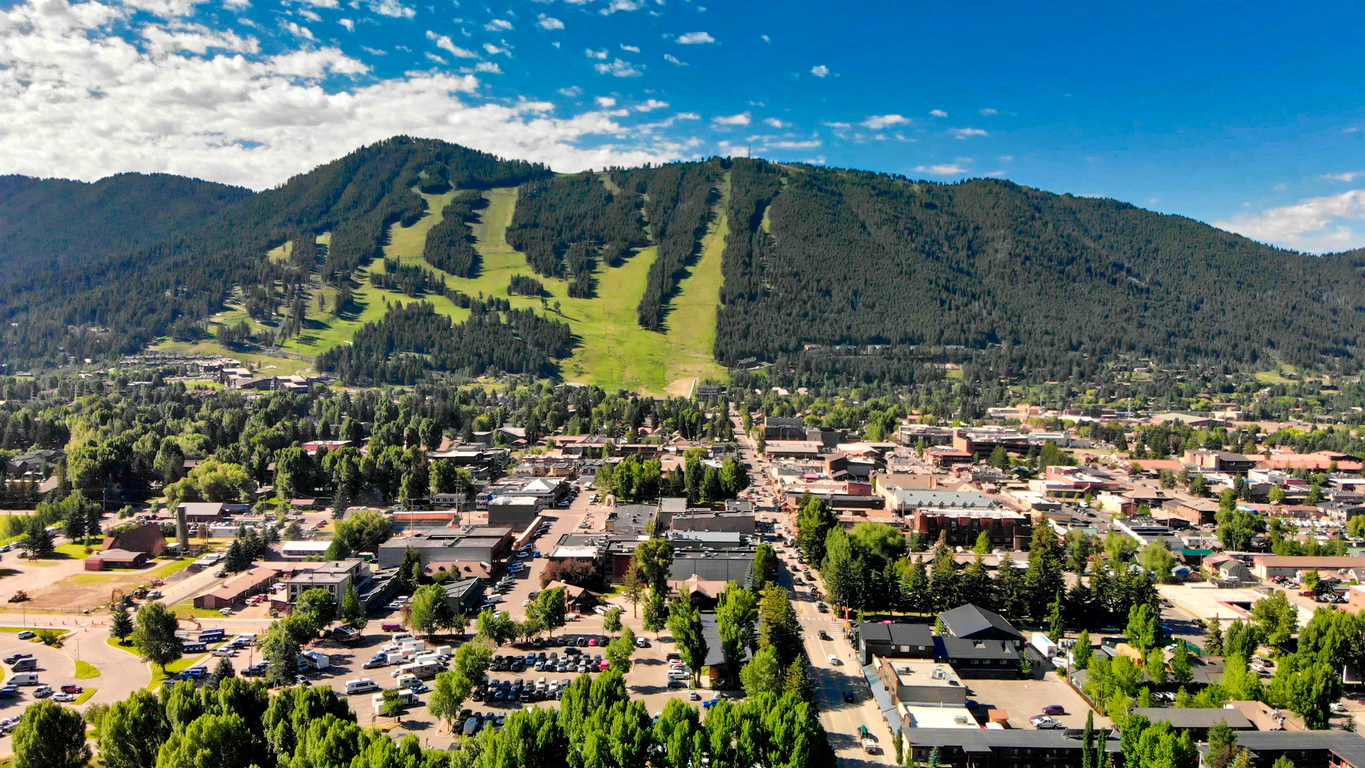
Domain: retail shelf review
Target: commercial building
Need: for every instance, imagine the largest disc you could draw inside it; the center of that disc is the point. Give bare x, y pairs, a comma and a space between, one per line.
336, 577
1197, 721
1307, 749
474, 543
894, 641
1276, 566
1013, 748
972, 622
918, 682
515, 511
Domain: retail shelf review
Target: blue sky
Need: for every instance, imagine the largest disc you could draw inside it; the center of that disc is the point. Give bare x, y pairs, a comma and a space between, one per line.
1248, 116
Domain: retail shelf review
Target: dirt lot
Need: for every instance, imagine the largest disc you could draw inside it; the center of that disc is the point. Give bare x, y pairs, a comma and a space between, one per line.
1023, 699
92, 589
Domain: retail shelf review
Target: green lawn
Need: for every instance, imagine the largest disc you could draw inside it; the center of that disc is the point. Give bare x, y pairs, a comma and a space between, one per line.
74, 551
85, 696
162, 571
86, 670
175, 668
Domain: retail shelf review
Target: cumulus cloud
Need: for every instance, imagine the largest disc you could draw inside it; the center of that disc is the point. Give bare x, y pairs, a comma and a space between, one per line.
820, 70
619, 5
83, 102
494, 50
446, 44
766, 39
619, 68
347, 23
1346, 177
392, 8
966, 133
1315, 224
602, 54
549, 22
631, 48
490, 67
740, 119
878, 122
806, 144
695, 38
671, 59
937, 113
572, 91
498, 25
605, 102
650, 105
942, 169
774, 122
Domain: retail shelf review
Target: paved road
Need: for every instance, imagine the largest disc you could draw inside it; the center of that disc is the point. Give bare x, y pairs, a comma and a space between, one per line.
841, 720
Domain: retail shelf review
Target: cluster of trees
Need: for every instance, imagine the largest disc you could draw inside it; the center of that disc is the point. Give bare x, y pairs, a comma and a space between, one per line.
868, 568
414, 339
635, 479
525, 286
566, 224
449, 245
411, 280
249, 546
678, 201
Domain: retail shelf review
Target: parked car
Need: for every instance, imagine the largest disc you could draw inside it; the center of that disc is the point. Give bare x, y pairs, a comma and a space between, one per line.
13, 657
27, 635
834, 660
64, 697
72, 689
42, 692
1054, 709
850, 697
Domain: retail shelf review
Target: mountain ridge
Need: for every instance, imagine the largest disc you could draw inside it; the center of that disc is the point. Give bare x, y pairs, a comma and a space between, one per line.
814, 258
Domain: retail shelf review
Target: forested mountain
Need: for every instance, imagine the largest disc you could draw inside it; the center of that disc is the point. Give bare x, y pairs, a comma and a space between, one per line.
56, 222
831, 271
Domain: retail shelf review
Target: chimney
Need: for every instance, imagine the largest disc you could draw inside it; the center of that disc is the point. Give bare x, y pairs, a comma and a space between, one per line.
182, 531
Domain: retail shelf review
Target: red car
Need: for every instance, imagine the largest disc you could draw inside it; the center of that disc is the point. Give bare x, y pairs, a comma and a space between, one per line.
72, 689
1054, 709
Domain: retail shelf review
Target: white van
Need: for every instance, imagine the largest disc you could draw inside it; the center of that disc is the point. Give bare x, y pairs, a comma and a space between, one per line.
419, 671
23, 678
363, 685
407, 698
401, 636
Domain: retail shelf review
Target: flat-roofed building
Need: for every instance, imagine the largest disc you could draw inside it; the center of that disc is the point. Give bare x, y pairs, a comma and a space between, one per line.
1276, 566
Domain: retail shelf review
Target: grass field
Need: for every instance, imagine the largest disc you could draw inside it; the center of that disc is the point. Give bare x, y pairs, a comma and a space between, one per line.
613, 351
86, 670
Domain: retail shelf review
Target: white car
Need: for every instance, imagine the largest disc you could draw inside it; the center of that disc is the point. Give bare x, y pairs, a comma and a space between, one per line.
64, 697
834, 660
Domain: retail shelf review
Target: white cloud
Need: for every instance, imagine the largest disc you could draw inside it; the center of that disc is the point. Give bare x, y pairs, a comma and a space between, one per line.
966, 133
310, 15
878, 122
774, 122
650, 105
1346, 177
1006, 158
671, 59
446, 44
81, 101
434, 58
605, 102
740, 119
766, 39
392, 8
807, 144
937, 113
619, 68
987, 112
687, 116
549, 22
298, 31
1314, 224
490, 67
602, 54
1001, 175
498, 25
631, 48
820, 70
695, 38
347, 23
572, 91
620, 5
942, 169
494, 50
